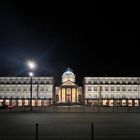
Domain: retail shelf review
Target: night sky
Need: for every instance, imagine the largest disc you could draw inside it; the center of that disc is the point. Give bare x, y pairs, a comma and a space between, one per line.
92, 39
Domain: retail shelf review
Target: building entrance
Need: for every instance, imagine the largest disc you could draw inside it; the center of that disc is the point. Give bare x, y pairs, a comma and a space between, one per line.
68, 98
68, 92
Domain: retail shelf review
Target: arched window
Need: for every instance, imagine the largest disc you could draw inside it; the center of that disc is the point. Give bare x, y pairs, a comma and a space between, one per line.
136, 97
133, 96
95, 96
106, 96
123, 96
89, 96
130, 96
112, 96
118, 96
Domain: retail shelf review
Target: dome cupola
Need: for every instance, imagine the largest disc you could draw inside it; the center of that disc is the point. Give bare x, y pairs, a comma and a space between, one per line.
68, 75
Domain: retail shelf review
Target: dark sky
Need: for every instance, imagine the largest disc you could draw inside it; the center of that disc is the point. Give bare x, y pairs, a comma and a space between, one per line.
92, 39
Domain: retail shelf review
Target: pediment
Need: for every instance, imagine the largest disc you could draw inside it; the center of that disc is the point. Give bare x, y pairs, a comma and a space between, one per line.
68, 83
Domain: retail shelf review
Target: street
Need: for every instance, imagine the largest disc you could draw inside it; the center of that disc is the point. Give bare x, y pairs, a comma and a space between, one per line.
59, 126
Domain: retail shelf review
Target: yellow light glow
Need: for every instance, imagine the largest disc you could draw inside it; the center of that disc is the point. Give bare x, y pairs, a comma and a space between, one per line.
63, 94
73, 95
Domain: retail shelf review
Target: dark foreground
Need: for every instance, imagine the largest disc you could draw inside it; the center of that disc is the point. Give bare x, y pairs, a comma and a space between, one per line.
70, 126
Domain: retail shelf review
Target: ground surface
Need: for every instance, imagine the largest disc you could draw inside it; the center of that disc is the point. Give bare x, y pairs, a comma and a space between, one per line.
70, 126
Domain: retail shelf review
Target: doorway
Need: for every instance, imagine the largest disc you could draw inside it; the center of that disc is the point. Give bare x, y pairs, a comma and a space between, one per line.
68, 99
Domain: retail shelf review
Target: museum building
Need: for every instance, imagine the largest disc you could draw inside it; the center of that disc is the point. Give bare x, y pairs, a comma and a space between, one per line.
95, 91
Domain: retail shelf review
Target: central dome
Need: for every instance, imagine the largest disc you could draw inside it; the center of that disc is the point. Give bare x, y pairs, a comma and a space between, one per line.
68, 75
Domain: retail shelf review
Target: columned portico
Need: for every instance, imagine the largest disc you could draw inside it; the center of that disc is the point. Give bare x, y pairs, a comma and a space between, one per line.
68, 90
68, 94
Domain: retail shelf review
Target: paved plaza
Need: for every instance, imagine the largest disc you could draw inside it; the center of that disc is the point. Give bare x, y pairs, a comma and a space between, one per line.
70, 126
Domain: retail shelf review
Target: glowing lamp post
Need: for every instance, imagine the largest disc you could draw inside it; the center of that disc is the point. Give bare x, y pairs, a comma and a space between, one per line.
31, 66
31, 75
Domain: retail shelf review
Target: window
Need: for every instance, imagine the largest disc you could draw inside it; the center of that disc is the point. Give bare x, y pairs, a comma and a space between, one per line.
19, 88
118, 96
95, 96
57, 98
135, 88
123, 96
42, 88
89, 96
8, 89
89, 81
106, 96
117, 82
129, 89
1, 89
106, 88
95, 82
130, 96
89, 88
106, 82
135, 82
112, 88
118, 88
123, 89
13, 89
42, 81
112, 82
95, 88
25, 89
123, 82
112, 96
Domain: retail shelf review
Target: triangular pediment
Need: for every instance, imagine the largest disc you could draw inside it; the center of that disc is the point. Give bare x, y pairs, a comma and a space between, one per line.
68, 83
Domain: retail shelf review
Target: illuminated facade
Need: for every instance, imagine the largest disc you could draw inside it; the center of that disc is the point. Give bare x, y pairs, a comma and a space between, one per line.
112, 91
16, 91
96, 91
68, 92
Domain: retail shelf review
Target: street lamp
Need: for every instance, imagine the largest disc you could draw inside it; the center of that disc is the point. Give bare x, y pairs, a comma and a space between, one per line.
31, 75
31, 65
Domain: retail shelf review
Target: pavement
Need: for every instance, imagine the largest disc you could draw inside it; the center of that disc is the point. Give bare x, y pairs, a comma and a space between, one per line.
70, 126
